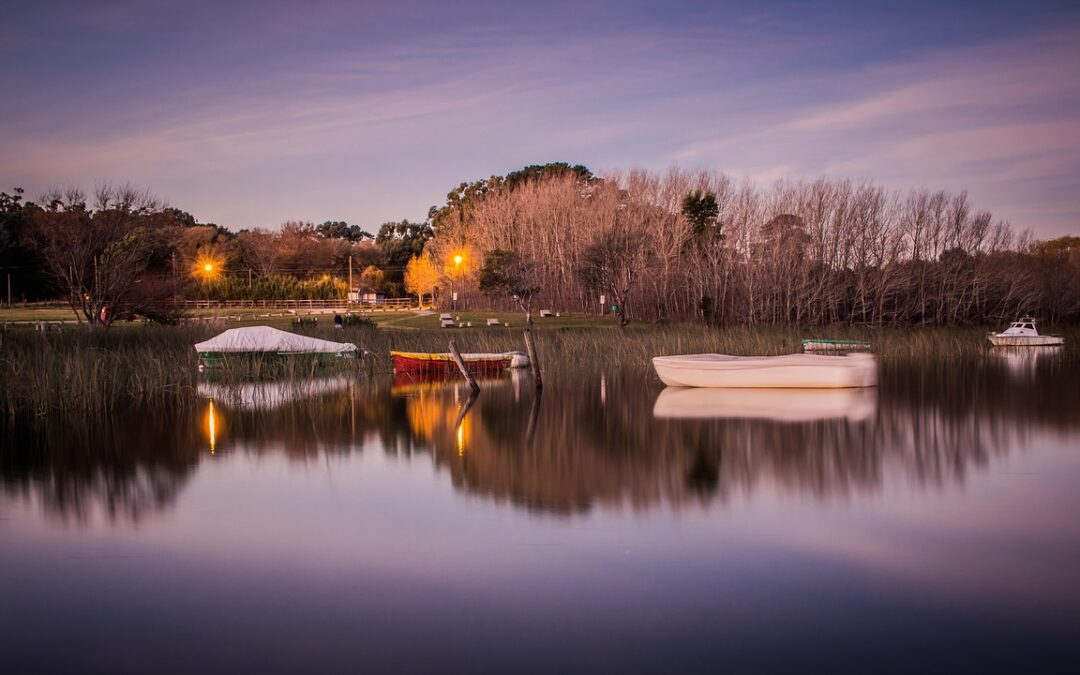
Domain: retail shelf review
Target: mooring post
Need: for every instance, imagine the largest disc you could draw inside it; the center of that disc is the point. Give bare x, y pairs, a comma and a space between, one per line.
534, 362
461, 366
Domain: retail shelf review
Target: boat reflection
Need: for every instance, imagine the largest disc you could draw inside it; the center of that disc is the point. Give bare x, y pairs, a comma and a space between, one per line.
1026, 359
780, 405
270, 394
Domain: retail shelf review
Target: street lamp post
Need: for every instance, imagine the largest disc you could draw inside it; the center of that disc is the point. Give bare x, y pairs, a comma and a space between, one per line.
208, 271
457, 268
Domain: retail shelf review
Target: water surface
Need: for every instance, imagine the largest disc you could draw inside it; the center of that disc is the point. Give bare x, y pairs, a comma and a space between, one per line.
355, 523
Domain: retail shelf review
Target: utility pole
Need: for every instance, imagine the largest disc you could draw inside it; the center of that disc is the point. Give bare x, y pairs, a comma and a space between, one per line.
348, 296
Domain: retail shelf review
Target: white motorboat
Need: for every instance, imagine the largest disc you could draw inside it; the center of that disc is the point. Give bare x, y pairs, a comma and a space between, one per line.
793, 371
778, 405
1023, 333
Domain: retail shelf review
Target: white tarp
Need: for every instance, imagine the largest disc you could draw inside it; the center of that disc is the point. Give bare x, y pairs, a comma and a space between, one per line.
267, 339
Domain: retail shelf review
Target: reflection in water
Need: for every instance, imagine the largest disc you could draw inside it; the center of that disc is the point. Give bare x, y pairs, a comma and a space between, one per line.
211, 425
608, 440
1025, 361
271, 394
118, 468
779, 405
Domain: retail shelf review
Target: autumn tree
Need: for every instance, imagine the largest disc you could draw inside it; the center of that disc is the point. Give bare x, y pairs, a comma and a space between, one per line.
506, 272
373, 277
421, 277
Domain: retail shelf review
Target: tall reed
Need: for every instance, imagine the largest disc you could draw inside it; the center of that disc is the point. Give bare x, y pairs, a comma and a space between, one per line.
81, 370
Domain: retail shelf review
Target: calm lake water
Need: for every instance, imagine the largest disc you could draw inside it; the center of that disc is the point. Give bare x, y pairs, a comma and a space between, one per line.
366, 525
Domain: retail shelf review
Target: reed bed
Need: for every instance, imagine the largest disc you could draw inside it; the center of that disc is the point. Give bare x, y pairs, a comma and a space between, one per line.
78, 370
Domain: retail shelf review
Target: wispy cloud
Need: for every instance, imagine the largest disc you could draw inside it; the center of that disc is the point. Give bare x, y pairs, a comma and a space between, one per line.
374, 114
974, 117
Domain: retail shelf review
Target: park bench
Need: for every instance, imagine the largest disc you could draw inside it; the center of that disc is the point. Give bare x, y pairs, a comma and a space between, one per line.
546, 313
493, 322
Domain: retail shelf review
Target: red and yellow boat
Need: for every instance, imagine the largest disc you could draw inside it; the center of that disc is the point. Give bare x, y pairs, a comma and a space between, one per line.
424, 362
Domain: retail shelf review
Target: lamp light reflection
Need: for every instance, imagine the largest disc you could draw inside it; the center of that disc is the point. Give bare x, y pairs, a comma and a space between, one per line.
211, 425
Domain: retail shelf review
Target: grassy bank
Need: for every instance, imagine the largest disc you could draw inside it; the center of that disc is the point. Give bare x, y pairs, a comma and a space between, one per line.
76, 369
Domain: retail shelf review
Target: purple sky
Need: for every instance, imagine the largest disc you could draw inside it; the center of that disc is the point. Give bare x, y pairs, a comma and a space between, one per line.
252, 113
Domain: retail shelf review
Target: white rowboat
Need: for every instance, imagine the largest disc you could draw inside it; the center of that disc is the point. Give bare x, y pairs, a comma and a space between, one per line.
793, 371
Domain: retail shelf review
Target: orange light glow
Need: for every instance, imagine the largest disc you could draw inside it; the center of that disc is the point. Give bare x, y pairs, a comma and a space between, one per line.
207, 265
212, 427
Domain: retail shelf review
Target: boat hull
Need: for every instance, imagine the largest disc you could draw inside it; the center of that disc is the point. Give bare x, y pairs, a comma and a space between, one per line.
428, 363
813, 345
1025, 340
794, 371
215, 360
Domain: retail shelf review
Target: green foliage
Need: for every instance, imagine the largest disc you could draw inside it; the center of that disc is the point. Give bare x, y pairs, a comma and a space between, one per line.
507, 272
275, 287
702, 212
544, 171
357, 320
401, 242
460, 201
339, 229
17, 259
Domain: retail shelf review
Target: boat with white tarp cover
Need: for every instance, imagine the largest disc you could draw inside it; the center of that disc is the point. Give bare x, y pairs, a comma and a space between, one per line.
792, 371
266, 340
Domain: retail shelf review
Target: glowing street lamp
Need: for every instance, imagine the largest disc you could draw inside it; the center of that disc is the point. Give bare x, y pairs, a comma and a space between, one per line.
207, 267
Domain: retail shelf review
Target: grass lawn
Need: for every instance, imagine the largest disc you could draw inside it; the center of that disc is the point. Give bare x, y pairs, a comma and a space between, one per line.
478, 319
17, 313
410, 319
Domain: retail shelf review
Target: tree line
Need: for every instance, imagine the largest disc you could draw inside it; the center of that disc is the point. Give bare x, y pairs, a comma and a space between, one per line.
656, 246
121, 252
699, 246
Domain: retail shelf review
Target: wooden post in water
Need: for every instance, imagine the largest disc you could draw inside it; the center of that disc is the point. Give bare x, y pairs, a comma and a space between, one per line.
461, 366
534, 362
